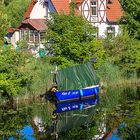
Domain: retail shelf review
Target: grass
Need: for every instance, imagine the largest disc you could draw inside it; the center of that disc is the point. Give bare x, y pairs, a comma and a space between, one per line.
111, 75
42, 78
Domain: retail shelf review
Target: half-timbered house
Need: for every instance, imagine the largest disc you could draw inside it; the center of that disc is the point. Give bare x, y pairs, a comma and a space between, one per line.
102, 14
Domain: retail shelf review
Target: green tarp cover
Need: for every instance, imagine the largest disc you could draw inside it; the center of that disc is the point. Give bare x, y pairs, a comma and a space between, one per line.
76, 77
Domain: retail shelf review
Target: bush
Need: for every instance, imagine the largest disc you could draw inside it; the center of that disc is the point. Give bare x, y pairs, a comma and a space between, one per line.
109, 73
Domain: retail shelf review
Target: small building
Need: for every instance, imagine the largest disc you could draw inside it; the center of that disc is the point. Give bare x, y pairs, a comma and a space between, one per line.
103, 14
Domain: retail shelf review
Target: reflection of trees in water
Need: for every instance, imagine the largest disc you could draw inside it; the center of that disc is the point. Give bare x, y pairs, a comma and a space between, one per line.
130, 128
115, 106
11, 121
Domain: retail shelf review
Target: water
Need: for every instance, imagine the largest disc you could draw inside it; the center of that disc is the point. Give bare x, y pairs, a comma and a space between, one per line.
115, 114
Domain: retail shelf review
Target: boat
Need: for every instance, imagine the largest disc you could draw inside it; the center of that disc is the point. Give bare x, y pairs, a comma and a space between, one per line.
74, 83
79, 94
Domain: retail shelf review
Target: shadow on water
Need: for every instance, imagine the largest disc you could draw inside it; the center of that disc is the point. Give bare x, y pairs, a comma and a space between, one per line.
115, 115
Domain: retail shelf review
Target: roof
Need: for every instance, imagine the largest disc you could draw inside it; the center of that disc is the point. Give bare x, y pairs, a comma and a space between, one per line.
10, 30
30, 8
38, 24
61, 5
78, 1
114, 11
64, 5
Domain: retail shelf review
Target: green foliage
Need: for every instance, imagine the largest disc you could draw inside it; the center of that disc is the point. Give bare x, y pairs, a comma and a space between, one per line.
6, 2
23, 45
13, 76
16, 10
131, 121
109, 73
4, 23
132, 16
123, 51
42, 77
73, 40
11, 122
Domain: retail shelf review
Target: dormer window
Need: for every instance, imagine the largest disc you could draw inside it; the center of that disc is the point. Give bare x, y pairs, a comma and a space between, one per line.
94, 7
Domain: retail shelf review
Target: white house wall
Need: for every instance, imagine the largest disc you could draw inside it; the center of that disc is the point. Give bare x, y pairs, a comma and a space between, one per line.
102, 29
39, 11
100, 20
14, 38
85, 11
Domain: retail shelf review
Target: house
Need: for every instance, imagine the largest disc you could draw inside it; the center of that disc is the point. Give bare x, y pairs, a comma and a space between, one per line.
103, 14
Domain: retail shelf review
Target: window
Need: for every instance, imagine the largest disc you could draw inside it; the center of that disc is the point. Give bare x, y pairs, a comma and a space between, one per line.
36, 36
110, 32
93, 7
21, 34
43, 36
45, 5
31, 36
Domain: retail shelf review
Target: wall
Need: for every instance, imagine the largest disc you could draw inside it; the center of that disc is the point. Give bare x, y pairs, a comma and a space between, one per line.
100, 20
39, 11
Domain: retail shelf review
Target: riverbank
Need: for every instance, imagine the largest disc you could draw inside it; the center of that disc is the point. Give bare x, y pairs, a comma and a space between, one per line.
27, 98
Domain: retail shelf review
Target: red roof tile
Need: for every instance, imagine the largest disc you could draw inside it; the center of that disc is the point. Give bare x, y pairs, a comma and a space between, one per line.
38, 24
30, 8
78, 1
114, 11
61, 6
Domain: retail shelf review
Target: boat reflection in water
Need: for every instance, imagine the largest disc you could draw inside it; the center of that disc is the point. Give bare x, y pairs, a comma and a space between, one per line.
76, 105
68, 115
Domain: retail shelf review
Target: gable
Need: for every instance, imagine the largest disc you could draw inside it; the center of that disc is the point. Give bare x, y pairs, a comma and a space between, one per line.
30, 8
39, 9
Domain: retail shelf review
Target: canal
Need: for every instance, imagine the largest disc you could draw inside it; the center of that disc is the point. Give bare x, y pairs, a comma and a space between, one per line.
114, 114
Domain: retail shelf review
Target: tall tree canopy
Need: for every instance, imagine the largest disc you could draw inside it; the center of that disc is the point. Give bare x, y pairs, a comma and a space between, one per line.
16, 10
13, 75
73, 40
4, 23
123, 51
6, 2
132, 16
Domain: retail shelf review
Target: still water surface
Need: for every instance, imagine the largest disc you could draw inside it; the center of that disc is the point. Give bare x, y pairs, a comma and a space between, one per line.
115, 114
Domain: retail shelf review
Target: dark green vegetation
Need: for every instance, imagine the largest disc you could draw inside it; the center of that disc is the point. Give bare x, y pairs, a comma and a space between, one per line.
73, 40
11, 14
13, 72
132, 17
21, 74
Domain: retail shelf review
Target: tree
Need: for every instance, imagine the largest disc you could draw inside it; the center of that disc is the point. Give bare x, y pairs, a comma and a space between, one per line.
6, 2
13, 76
123, 51
16, 10
73, 40
4, 23
132, 16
